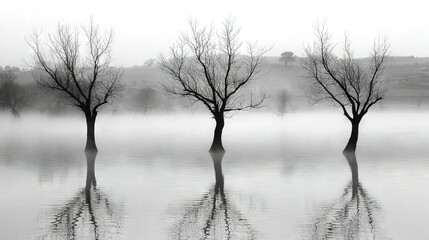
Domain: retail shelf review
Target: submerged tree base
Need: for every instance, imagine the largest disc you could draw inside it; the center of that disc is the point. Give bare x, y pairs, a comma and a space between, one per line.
217, 149
91, 148
350, 148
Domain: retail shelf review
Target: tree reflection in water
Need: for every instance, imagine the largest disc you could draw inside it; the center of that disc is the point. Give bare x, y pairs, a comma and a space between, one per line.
353, 215
213, 216
90, 214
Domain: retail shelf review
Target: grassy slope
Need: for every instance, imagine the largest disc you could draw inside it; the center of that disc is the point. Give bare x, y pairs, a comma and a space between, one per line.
406, 77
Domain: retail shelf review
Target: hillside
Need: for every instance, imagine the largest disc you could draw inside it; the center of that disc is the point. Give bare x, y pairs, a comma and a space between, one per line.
406, 76
407, 79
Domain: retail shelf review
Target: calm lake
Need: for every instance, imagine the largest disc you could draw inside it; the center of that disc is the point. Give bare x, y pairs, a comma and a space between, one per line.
280, 178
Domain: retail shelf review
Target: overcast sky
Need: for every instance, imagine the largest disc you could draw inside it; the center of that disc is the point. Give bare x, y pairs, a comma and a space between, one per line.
143, 29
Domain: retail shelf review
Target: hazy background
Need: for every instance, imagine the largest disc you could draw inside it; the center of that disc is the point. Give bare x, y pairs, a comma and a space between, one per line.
407, 80
145, 28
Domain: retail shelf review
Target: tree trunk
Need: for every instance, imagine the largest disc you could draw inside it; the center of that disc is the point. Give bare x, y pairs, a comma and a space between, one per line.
351, 145
90, 131
217, 139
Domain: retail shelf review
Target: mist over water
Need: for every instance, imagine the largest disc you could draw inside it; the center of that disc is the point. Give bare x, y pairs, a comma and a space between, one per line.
283, 177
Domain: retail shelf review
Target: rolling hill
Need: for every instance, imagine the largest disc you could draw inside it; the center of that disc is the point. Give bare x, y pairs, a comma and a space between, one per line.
407, 79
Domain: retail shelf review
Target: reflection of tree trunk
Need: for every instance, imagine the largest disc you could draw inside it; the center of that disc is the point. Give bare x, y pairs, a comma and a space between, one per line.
217, 139
91, 182
219, 190
217, 163
90, 174
351, 159
351, 144
213, 217
352, 216
89, 214
90, 134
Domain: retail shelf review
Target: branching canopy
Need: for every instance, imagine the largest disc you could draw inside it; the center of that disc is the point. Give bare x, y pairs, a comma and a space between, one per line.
355, 85
81, 74
207, 66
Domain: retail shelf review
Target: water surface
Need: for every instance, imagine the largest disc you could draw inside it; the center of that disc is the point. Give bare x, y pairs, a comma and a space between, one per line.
280, 178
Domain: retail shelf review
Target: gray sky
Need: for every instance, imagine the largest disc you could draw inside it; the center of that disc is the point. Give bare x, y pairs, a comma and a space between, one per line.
143, 29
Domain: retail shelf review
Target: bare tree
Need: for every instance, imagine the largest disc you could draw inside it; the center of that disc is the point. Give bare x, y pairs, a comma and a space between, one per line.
12, 95
81, 75
207, 66
352, 84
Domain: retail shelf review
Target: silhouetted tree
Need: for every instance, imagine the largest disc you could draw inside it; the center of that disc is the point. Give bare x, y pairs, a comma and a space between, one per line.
286, 57
11, 93
352, 84
207, 66
87, 82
